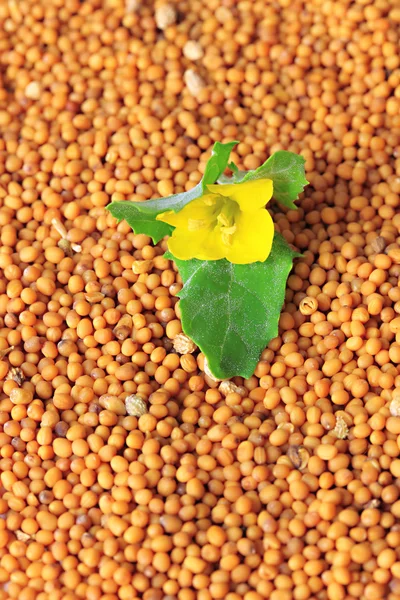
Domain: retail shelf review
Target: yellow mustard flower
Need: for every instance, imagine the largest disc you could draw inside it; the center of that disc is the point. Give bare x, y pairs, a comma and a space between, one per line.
230, 221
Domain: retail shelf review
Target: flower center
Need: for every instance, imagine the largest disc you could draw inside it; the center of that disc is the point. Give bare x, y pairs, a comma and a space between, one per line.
221, 212
226, 220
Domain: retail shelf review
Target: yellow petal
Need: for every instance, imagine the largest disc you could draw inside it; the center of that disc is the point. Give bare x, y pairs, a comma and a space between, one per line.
197, 210
168, 217
250, 195
203, 244
252, 240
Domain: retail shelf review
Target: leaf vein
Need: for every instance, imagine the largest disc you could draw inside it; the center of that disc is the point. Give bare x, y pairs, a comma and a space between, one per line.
250, 292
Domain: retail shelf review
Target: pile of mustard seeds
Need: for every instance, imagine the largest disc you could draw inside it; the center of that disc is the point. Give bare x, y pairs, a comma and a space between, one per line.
127, 472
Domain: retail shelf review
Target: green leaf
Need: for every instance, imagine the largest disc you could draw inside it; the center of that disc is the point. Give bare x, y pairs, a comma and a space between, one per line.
286, 170
141, 216
232, 311
217, 162
233, 167
140, 222
175, 202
